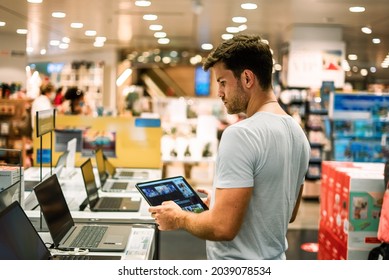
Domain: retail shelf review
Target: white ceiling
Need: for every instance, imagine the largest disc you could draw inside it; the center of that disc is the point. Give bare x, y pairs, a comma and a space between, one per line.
190, 23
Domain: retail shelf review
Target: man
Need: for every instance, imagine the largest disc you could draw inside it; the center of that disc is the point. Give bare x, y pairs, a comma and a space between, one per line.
260, 166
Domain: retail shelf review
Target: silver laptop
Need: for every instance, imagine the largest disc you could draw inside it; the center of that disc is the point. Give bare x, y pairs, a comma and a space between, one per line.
119, 172
63, 230
109, 184
30, 183
19, 240
97, 203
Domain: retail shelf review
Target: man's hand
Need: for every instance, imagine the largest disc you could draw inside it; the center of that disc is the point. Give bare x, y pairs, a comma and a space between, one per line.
167, 215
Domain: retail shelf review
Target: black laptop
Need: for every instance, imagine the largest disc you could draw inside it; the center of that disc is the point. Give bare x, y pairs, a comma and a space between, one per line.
105, 203
19, 240
65, 233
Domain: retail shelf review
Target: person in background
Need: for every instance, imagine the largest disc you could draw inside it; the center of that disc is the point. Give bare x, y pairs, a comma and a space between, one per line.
76, 99
260, 166
44, 101
59, 97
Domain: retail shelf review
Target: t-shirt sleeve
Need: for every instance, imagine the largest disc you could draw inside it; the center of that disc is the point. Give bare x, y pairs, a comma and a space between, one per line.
235, 159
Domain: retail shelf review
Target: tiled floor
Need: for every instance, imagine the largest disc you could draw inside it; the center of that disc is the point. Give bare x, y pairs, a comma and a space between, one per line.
179, 245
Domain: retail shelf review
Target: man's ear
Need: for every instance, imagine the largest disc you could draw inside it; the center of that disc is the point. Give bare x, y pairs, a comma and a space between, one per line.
248, 78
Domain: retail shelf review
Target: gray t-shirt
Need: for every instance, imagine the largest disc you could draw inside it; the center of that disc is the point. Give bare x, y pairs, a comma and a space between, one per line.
269, 152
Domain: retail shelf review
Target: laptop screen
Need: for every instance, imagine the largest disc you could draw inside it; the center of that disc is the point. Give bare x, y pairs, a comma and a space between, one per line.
176, 189
9, 195
99, 155
90, 182
18, 237
54, 207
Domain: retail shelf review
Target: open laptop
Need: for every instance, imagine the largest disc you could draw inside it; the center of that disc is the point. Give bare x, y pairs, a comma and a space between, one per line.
121, 172
9, 195
19, 240
97, 203
176, 189
64, 231
31, 182
108, 184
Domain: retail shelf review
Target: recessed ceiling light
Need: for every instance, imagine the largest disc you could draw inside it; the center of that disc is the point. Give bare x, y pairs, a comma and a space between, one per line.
227, 36
376, 40
163, 41
239, 19
357, 9
76, 25
248, 6
242, 27
207, 46
364, 72
142, 3
22, 31
366, 30
66, 40
98, 44
35, 1
101, 39
160, 34
90, 33
150, 17
43, 51
155, 27
352, 57
373, 69
54, 43
2, 23
232, 29
63, 46
58, 15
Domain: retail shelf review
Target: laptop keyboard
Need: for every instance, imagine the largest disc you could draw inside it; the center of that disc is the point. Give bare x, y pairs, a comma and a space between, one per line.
110, 203
119, 185
89, 237
73, 257
126, 173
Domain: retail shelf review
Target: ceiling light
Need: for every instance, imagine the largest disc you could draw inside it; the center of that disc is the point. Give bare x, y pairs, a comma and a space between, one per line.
227, 36
376, 40
54, 43
66, 40
159, 34
90, 33
63, 46
373, 69
76, 25
142, 3
43, 51
58, 15
155, 27
352, 57
29, 49
239, 19
232, 29
98, 44
101, 39
163, 41
123, 77
35, 1
207, 47
357, 9
366, 30
21, 31
242, 27
150, 17
248, 6
2, 23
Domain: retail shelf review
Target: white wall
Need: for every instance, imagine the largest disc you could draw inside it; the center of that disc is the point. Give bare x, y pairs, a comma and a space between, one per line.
13, 59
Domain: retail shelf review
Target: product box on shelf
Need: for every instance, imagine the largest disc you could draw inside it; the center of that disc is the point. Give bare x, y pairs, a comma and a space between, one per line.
351, 200
9, 175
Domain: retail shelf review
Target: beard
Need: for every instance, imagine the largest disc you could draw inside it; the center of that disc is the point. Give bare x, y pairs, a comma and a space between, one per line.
238, 100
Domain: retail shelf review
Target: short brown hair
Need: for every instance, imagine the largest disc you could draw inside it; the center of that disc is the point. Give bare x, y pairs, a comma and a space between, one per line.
244, 52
